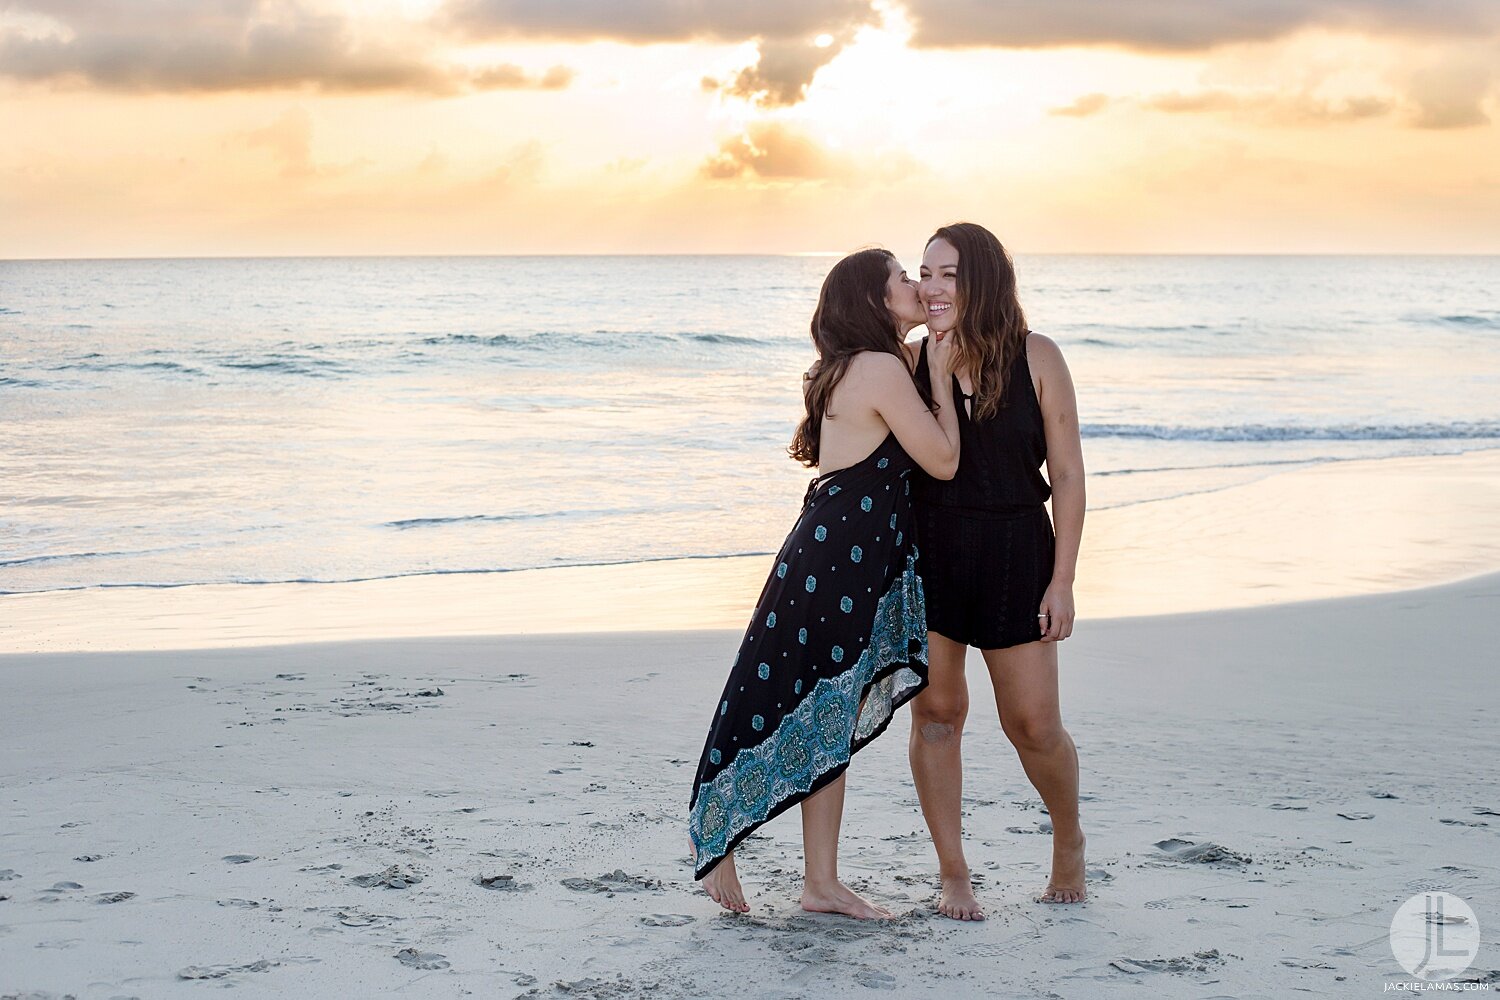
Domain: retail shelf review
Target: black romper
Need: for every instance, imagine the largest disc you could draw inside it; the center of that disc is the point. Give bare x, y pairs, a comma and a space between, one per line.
985, 535
837, 643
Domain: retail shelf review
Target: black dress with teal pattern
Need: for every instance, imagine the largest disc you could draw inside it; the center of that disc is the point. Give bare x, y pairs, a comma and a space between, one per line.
838, 642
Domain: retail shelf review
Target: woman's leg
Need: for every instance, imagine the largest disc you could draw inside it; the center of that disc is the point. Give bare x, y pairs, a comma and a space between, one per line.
1025, 680
937, 725
723, 884
822, 892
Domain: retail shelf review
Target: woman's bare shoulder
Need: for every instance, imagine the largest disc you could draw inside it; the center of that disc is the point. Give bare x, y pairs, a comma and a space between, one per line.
1043, 353
877, 365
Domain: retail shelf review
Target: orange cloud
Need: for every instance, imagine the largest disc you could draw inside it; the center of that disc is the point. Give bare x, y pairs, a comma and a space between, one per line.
770, 150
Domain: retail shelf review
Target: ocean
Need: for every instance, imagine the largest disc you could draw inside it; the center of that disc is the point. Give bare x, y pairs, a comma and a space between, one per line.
181, 422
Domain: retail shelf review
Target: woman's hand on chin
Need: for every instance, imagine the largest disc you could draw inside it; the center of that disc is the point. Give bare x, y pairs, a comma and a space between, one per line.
940, 353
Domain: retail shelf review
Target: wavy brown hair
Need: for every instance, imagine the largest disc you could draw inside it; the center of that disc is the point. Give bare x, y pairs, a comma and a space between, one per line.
991, 330
851, 317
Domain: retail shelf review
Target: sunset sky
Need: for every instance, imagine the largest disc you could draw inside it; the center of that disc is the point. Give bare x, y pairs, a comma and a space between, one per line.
222, 127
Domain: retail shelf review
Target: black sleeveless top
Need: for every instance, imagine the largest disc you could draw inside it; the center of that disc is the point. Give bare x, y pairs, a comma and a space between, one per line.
1000, 459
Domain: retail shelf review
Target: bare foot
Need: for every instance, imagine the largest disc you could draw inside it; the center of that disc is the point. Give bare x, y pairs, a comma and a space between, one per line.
957, 900
723, 884
1067, 882
835, 897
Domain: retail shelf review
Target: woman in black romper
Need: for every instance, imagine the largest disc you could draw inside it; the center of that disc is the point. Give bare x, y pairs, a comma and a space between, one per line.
996, 579
838, 639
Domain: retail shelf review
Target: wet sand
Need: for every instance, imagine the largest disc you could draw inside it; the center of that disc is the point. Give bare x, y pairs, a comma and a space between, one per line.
1334, 530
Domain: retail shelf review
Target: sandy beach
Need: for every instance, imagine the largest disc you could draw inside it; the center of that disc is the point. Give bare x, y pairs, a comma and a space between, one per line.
505, 817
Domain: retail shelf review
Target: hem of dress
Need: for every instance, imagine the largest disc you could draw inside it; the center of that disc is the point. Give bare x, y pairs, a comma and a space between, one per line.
979, 646
833, 773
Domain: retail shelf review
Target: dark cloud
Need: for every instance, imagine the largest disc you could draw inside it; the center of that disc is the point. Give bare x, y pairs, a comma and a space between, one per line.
785, 31
783, 71
769, 150
643, 21
1179, 25
222, 45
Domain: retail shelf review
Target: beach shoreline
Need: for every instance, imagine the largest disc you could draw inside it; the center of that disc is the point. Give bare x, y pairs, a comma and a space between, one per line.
1325, 531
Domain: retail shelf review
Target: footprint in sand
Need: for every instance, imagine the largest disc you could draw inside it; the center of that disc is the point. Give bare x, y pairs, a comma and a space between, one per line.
58, 888
394, 877
1199, 961
502, 883
353, 917
220, 971
426, 960
1356, 816
615, 881
597, 987
1206, 853
874, 979
241, 859
113, 897
667, 919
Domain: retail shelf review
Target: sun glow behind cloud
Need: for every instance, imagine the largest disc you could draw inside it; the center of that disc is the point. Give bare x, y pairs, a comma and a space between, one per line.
400, 127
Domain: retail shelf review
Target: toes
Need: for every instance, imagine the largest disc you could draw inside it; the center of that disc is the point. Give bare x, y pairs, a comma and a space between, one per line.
1055, 895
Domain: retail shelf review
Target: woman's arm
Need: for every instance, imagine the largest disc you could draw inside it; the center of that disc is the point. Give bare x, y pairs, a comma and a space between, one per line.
931, 439
1065, 472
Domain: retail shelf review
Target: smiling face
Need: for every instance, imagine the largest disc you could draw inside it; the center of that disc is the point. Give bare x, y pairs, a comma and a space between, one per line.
939, 287
902, 300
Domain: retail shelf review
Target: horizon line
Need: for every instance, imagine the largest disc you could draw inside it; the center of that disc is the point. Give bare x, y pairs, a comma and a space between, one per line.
727, 254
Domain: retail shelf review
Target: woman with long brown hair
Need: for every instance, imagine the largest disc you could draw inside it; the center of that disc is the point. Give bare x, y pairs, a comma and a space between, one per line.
838, 640
996, 577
